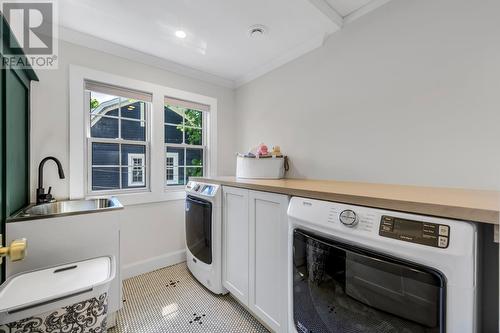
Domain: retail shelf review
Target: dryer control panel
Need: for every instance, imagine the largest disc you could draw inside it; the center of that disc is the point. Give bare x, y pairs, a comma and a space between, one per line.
425, 233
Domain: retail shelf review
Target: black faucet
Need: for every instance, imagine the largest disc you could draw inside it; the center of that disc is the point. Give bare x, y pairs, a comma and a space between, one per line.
41, 196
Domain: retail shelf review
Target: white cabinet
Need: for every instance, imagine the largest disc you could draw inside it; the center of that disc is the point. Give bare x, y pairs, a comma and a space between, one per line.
254, 249
235, 229
268, 258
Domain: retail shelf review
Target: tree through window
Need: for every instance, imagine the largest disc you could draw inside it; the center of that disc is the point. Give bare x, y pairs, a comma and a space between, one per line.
185, 143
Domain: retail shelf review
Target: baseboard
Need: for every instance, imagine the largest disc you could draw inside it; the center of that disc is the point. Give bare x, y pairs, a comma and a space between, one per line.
151, 264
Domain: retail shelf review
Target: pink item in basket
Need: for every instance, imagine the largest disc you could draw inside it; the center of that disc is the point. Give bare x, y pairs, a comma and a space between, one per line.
262, 150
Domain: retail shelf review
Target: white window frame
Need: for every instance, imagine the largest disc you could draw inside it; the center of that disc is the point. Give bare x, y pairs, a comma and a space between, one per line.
131, 169
157, 174
90, 140
185, 146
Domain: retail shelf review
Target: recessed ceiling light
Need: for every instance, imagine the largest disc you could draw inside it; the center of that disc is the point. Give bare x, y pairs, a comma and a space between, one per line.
257, 31
180, 34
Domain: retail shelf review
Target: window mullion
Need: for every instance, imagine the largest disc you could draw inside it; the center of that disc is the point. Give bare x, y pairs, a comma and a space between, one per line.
184, 128
119, 141
184, 144
120, 168
119, 118
89, 163
204, 142
185, 164
204, 161
179, 145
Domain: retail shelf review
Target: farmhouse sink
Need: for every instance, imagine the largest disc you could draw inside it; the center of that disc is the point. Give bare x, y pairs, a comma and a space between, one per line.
68, 207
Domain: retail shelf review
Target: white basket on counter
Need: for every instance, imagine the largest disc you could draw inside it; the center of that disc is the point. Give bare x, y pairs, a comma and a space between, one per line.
264, 168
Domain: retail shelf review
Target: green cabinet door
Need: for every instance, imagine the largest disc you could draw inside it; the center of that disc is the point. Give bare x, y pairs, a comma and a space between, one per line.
18, 142
14, 136
15, 143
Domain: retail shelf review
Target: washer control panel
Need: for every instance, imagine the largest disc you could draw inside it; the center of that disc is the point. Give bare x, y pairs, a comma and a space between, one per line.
425, 233
205, 189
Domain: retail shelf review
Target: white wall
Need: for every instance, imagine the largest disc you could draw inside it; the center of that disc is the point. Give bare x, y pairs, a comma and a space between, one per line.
151, 236
408, 94
148, 231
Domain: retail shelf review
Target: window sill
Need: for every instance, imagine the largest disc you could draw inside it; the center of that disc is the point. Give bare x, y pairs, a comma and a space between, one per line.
137, 198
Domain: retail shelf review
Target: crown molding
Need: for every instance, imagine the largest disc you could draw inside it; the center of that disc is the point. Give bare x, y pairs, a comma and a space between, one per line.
92, 42
371, 6
125, 52
284, 58
324, 7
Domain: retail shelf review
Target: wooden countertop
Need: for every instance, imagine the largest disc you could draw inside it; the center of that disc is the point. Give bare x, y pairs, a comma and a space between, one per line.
461, 204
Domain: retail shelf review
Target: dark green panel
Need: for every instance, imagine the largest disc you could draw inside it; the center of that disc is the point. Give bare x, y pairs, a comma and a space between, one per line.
2, 165
2, 154
14, 136
2, 151
17, 139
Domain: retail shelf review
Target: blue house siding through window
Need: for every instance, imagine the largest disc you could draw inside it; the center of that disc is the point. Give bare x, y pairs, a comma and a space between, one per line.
125, 119
183, 137
106, 164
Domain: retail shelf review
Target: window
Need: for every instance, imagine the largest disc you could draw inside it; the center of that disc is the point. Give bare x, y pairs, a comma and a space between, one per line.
117, 136
117, 143
136, 172
172, 164
185, 140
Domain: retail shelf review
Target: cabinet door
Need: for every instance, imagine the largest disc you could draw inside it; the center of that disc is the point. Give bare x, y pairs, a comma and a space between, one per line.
14, 146
235, 242
268, 258
17, 138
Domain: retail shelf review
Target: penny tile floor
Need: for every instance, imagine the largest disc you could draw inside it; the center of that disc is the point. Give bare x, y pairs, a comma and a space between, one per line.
170, 300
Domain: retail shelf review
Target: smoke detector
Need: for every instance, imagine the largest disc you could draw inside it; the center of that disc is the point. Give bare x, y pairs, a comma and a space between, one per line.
257, 31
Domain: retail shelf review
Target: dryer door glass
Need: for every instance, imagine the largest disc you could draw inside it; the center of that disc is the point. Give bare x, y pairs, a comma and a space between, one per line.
199, 228
342, 288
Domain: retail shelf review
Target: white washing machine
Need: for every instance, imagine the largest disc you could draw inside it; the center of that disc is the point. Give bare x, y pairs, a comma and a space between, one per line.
204, 234
358, 269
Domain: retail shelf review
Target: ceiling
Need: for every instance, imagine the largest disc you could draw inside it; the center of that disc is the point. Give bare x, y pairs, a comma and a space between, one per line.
217, 45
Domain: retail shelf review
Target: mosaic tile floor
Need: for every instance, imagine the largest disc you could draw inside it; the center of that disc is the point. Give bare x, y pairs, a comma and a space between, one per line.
170, 300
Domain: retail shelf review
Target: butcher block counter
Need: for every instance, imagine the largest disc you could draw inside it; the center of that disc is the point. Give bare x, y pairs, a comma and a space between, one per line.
461, 204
